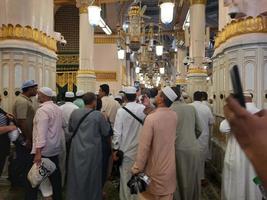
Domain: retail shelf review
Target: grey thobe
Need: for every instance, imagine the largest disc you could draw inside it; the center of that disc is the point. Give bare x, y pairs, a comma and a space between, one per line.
85, 157
187, 152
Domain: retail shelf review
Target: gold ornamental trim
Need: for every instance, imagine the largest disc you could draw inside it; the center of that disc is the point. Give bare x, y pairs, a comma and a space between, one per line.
192, 2
73, 2
29, 34
82, 71
106, 76
68, 60
100, 75
83, 9
134, 11
181, 81
197, 71
105, 39
241, 27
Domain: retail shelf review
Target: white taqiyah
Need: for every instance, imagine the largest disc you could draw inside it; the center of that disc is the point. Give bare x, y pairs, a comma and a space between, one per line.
37, 174
118, 97
46, 188
46, 91
69, 94
130, 90
247, 94
79, 93
170, 94
184, 94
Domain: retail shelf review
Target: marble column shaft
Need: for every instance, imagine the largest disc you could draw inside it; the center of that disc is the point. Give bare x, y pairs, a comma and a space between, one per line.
86, 79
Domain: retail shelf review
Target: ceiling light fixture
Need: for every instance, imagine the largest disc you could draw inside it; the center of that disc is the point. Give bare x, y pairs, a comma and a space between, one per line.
159, 50
137, 70
94, 15
121, 54
166, 12
104, 26
162, 70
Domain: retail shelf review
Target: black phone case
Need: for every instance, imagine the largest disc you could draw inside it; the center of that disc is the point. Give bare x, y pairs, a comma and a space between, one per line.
237, 86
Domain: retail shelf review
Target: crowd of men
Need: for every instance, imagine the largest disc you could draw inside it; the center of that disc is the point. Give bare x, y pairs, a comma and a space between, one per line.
156, 132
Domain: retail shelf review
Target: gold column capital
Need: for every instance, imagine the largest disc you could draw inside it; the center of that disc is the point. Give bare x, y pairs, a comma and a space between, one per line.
83, 9
82, 5
192, 2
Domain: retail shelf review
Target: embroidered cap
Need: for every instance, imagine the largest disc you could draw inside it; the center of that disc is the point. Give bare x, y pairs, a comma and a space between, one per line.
69, 95
79, 93
130, 90
170, 94
46, 91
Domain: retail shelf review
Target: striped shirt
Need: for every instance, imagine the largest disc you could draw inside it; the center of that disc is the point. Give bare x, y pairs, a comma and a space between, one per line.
3, 119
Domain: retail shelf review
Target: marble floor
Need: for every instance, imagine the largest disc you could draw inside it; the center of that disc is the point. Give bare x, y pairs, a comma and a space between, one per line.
210, 192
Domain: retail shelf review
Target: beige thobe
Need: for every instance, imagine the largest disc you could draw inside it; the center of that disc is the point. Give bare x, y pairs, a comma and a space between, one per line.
110, 108
156, 153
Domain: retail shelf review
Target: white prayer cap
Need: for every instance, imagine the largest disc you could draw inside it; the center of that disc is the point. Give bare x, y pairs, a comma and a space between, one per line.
46, 91
79, 93
130, 90
170, 94
69, 94
46, 188
118, 97
37, 174
184, 94
247, 94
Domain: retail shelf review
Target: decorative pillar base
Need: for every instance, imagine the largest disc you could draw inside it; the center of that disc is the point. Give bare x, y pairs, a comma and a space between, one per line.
86, 80
197, 80
181, 81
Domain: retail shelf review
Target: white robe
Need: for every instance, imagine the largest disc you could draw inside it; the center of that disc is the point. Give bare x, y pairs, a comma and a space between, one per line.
125, 138
206, 119
238, 173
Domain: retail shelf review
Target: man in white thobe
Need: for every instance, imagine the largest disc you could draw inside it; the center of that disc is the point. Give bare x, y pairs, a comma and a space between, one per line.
67, 108
206, 119
126, 132
238, 173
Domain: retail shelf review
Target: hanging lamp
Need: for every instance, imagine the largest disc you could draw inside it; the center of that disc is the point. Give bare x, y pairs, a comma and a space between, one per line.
166, 12
94, 15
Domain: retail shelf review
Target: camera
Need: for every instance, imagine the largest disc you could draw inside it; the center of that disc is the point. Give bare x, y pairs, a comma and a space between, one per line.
63, 42
187, 60
233, 11
138, 183
60, 38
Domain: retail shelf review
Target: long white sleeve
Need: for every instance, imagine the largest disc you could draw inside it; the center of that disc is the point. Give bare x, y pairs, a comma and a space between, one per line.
225, 127
117, 131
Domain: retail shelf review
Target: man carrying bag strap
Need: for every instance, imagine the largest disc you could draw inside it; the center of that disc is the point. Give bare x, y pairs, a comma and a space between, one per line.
128, 123
133, 115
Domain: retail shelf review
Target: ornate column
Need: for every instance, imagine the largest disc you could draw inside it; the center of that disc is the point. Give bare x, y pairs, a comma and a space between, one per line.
181, 68
28, 46
196, 73
86, 79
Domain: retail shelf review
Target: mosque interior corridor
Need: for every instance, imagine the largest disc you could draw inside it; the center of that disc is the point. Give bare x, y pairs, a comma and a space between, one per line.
144, 70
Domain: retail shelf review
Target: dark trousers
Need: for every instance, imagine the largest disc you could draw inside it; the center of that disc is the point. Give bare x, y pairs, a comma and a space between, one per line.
3, 157
55, 179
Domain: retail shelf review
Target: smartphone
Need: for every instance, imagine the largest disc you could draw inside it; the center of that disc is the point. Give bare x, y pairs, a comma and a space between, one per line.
237, 86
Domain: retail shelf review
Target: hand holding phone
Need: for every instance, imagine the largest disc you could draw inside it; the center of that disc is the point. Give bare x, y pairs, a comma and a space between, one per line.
237, 86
